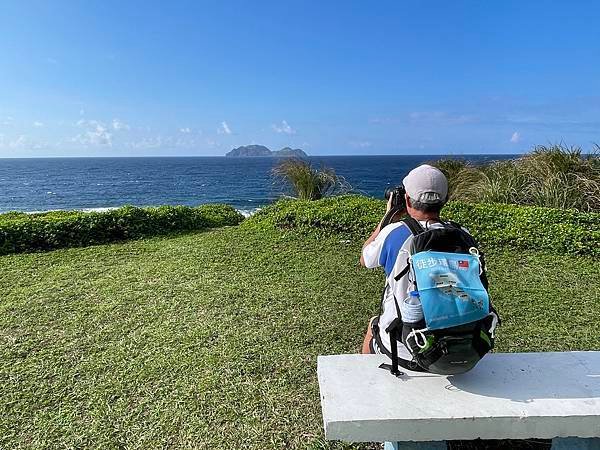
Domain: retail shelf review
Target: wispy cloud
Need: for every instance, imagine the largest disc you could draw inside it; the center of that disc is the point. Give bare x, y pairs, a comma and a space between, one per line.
22, 142
283, 128
224, 128
8, 120
38, 124
119, 125
427, 118
516, 137
187, 141
19, 142
147, 143
185, 130
360, 144
52, 61
441, 117
554, 121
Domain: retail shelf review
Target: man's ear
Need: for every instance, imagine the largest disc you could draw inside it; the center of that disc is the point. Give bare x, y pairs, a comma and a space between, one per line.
407, 198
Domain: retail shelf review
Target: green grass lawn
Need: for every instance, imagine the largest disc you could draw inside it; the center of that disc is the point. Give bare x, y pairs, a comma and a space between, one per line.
209, 340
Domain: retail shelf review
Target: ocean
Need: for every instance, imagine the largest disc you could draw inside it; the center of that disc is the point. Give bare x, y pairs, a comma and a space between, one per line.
45, 184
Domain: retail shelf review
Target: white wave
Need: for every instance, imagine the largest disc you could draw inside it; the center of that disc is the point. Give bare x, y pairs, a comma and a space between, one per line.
103, 209
248, 212
245, 212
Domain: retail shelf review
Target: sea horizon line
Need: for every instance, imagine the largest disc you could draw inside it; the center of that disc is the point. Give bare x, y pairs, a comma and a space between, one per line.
263, 157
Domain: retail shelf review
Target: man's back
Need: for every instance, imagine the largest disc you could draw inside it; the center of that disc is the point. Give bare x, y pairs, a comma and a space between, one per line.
390, 250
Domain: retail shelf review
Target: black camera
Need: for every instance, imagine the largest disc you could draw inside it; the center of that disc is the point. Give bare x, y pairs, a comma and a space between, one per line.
398, 200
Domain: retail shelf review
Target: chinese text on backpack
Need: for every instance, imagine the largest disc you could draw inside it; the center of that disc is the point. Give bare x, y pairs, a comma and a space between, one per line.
447, 276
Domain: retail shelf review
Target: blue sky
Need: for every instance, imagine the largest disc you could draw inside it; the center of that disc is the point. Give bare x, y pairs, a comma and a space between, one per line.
83, 78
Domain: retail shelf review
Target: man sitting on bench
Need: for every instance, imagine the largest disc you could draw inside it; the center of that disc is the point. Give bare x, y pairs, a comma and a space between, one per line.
435, 304
426, 191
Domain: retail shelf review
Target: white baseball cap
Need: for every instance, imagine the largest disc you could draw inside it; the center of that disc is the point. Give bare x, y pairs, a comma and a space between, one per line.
426, 184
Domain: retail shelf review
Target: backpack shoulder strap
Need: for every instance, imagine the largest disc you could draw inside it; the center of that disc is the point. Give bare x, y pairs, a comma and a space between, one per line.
413, 225
459, 227
415, 228
453, 224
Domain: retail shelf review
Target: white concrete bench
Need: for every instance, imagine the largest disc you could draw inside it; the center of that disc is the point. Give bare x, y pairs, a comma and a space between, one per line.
507, 396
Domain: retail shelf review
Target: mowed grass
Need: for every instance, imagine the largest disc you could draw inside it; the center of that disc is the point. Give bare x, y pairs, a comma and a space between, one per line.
209, 340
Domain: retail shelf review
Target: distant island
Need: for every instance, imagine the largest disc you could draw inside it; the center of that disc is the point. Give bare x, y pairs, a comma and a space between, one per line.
261, 150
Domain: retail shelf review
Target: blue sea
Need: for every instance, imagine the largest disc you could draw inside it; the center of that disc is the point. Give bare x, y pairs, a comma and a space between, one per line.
33, 185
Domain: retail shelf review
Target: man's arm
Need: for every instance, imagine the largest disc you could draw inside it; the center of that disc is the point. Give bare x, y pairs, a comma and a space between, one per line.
375, 231
368, 241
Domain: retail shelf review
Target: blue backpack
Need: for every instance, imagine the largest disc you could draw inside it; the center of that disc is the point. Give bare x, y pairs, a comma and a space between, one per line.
449, 285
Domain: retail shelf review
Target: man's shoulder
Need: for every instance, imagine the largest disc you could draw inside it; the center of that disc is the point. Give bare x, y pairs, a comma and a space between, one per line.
397, 233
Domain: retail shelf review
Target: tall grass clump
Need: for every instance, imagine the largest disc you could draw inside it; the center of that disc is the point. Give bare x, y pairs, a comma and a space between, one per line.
554, 176
307, 182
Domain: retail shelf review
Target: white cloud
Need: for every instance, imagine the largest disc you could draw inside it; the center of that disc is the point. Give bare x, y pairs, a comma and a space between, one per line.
516, 137
224, 128
284, 127
82, 112
7, 121
38, 124
118, 125
52, 61
185, 130
96, 133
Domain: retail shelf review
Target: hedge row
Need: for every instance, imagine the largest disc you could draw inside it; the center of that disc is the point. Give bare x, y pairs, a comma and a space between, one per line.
496, 226
21, 232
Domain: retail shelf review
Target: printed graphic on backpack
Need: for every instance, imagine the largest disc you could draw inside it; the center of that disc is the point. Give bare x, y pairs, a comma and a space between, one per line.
450, 288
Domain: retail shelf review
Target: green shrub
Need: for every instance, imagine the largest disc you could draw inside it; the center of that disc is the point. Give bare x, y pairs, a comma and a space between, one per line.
496, 226
354, 215
529, 227
46, 231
